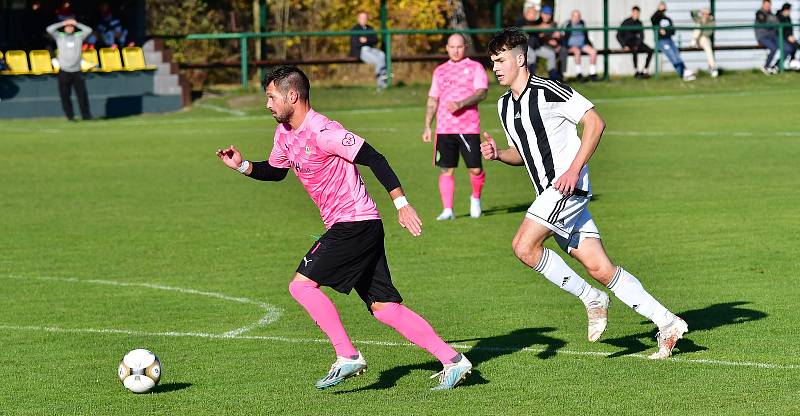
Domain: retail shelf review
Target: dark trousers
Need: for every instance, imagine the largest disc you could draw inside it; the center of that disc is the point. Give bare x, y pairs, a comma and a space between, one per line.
66, 81
636, 49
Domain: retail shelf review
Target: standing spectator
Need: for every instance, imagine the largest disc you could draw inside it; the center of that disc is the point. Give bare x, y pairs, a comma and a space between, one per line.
768, 36
785, 17
576, 42
458, 86
363, 47
550, 42
69, 44
633, 41
702, 37
666, 44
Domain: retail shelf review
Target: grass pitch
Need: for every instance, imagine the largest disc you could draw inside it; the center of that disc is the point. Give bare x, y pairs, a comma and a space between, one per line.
128, 233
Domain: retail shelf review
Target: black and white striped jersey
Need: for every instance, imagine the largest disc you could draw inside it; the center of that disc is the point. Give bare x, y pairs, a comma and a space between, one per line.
542, 125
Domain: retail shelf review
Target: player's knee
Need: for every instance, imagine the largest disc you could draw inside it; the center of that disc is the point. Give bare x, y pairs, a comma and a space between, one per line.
475, 171
526, 252
601, 271
448, 171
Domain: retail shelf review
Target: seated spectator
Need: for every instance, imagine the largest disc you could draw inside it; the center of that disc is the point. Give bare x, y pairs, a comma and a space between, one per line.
549, 42
665, 43
633, 41
110, 28
528, 21
363, 48
577, 42
785, 17
768, 37
702, 37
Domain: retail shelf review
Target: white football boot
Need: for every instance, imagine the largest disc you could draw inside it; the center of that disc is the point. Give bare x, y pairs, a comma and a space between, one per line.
474, 207
668, 336
597, 311
447, 214
342, 369
453, 374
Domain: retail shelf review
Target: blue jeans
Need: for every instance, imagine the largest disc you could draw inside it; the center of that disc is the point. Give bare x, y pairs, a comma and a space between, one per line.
376, 57
771, 43
668, 47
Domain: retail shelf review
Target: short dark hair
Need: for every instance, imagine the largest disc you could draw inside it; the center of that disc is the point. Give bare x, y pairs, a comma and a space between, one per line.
507, 39
288, 77
636, 8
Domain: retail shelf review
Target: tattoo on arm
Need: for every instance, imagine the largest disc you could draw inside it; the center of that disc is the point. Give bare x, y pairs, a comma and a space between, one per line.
433, 103
474, 99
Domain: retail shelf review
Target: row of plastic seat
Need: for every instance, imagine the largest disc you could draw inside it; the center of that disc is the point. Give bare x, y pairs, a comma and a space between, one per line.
109, 60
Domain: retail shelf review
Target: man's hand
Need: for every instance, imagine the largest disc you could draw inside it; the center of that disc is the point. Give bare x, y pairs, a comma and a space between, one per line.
409, 220
362, 39
230, 157
566, 183
70, 22
427, 134
454, 106
489, 147
626, 48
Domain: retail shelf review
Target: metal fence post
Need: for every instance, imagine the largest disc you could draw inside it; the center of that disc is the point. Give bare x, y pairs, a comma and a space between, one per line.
498, 14
657, 52
606, 63
781, 40
243, 50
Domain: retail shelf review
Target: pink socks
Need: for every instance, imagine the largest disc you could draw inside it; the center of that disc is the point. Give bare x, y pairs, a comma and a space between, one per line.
447, 187
477, 184
323, 312
416, 329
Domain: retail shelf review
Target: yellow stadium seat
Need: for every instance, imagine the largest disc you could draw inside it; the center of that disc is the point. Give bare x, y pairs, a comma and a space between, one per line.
89, 59
40, 62
17, 62
133, 57
110, 60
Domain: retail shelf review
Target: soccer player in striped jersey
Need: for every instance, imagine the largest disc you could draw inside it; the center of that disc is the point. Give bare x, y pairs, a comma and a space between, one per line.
540, 120
458, 86
350, 255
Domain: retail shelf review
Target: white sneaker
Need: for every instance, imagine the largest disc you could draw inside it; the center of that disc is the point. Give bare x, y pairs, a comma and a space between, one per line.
474, 207
597, 311
342, 369
773, 70
453, 374
714, 73
688, 75
668, 336
447, 214
794, 65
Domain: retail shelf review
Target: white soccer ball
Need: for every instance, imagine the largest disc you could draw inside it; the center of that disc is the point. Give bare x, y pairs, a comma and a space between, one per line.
139, 371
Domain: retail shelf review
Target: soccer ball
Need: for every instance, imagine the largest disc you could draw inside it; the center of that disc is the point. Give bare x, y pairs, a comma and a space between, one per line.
139, 371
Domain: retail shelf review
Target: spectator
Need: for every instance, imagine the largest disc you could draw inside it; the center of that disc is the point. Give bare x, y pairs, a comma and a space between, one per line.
69, 44
785, 17
576, 42
702, 37
549, 42
633, 41
363, 47
768, 36
665, 43
528, 21
110, 28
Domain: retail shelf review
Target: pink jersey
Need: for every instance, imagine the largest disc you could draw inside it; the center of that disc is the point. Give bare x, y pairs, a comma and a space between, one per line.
321, 153
454, 81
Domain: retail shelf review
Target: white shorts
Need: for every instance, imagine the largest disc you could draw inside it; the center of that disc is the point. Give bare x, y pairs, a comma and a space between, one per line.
567, 217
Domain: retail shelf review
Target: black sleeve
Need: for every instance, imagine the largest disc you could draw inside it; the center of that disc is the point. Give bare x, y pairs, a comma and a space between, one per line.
368, 156
263, 171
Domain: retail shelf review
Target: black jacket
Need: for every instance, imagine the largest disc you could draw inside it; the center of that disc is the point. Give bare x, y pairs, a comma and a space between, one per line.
662, 20
533, 38
631, 38
763, 17
355, 44
788, 30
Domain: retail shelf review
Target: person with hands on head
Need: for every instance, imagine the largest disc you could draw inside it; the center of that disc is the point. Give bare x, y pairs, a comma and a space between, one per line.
457, 87
540, 118
350, 254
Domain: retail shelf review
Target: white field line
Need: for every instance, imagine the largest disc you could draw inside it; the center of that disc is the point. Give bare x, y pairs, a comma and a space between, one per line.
462, 347
271, 313
703, 133
220, 109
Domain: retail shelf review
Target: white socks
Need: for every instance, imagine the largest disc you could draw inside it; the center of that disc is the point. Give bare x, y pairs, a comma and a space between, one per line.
556, 270
592, 70
630, 291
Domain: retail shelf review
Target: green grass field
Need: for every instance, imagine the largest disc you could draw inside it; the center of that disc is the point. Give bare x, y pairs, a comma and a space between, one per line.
128, 233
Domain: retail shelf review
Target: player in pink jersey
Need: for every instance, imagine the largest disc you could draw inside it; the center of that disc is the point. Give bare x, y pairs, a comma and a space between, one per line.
458, 86
350, 255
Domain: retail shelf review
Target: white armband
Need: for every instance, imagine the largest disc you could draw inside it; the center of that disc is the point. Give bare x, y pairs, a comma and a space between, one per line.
400, 202
244, 166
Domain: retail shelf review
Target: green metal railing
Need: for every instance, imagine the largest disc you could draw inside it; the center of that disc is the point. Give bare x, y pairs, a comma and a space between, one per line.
387, 35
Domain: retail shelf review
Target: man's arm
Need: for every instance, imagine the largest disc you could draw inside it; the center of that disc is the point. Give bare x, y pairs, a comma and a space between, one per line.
593, 126
53, 29
407, 216
490, 151
473, 99
261, 171
430, 112
84, 30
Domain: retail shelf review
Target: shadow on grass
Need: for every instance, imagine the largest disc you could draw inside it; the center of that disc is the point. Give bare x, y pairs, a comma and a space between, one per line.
485, 349
170, 387
514, 208
705, 319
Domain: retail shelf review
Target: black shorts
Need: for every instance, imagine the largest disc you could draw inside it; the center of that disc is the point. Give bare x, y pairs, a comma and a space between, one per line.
448, 146
351, 255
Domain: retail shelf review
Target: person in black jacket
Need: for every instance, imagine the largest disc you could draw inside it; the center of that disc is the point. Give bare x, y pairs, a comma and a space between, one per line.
785, 17
363, 47
633, 41
665, 43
